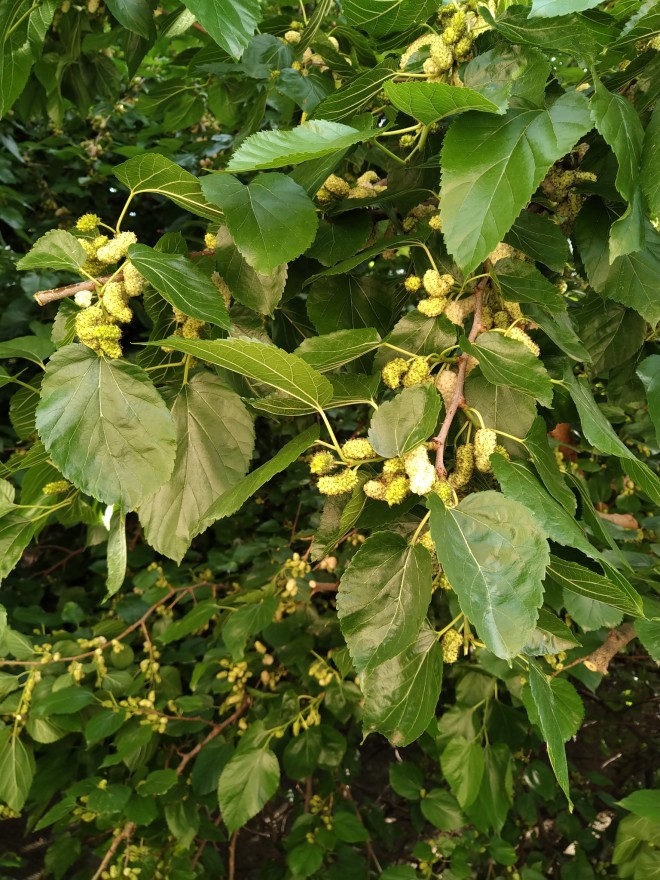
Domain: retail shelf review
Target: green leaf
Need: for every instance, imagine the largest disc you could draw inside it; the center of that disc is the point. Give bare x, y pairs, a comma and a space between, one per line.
631, 279
541, 239
611, 333
230, 24
502, 408
339, 238
440, 808
245, 622
538, 447
577, 35
305, 859
30, 348
383, 598
282, 371
519, 483
136, 16
254, 213
153, 173
311, 140
356, 95
495, 797
181, 284
551, 636
491, 166
182, 818
116, 553
523, 283
560, 330
351, 301
430, 101
56, 249
495, 556
417, 334
16, 532
23, 27
215, 441
333, 350
648, 632
644, 802
66, 701
382, 17
618, 123
111, 409
193, 620
505, 361
409, 419
235, 498
650, 172
17, 769
546, 707
301, 755
246, 784
258, 292
506, 73
462, 763
406, 779
548, 8
580, 580
649, 372
400, 695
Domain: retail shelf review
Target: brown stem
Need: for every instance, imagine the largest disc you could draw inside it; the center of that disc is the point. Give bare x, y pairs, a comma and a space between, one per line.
217, 730
231, 874
457, 400
125, 834
43, 297
600, 659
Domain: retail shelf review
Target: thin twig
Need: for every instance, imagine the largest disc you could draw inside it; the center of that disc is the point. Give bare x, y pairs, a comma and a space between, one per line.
217, 730
231, 875
600, 659
458, 400
43, 297
125, 834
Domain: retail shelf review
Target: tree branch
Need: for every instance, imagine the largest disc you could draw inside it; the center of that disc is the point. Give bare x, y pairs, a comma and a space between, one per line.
217, 730
600, 659
125, 834
458, 399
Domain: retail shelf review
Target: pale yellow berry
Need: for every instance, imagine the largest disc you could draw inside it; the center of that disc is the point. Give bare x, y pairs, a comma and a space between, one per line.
412, 283
397, 489
359, 449
338, 484
451, 643
437, 285
393, 371
417, 373
485, 441
322, 463
445, 382
521, 336
432, 307
375, 489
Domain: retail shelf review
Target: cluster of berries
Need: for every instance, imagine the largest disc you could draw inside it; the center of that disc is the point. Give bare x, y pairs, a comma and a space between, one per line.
558, 186
424, 211
454, 44
322, 464
401, 476
400, 372
366, 186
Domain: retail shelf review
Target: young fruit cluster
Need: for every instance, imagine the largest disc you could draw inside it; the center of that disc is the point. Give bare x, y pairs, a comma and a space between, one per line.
358, 449
454, 44
400, 372
419, 212
451, 644
338, 484
463, 466
96, 323
188, 328
366, 186
558, 187
58, 487
393, 484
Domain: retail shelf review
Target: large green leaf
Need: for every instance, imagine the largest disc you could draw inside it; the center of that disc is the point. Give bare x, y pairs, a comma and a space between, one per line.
645, 803
383, 598
105, 426
631, 279
430, 101
153, 173
56, 249
255, 212
232, 500
136, 16
400, 695
409, 419
547, 709
257, 291
339, 238
311, 140
31, 348
23, 26
282, 371
505, 361
16, 532
491, 166
543, 457
649, 372
650, 176
541, 239
381, 17
612, 333
548, 8
230, 24
495, 797
348, 301
333, 350
495, 556
246, 621
523, 283
181, 284
16, 769
246, 784
502, 408
618, 122
462, 763
580, 580
519, 483
215, 440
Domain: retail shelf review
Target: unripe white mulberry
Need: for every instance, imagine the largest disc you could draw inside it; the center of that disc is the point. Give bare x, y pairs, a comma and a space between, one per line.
338, 484
451, 643
359, 449
417, 373
421, 472
445, 382
521, 336
432, 307
485, 441
397, 490
436, 284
